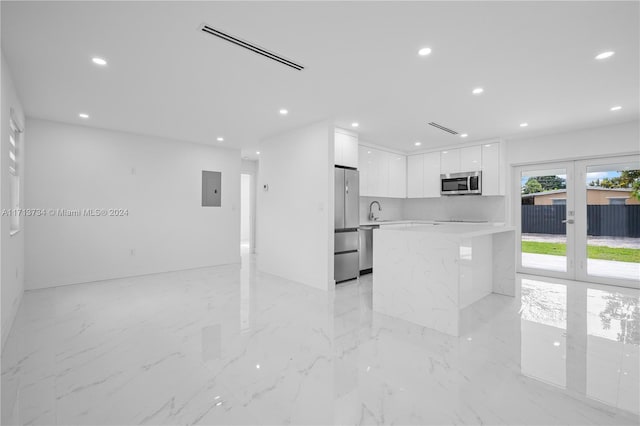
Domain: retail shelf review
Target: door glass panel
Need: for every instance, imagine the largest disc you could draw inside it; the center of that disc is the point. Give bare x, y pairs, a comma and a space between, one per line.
613, 221
543, 210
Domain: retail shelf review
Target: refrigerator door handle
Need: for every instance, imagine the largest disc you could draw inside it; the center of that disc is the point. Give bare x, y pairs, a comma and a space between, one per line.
346, 186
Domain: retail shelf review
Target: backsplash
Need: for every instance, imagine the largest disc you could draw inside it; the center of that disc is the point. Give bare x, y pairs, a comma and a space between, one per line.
465, 207
392, 208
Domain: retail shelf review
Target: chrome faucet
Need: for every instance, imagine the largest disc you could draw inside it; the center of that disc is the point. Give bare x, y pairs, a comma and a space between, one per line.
371, 215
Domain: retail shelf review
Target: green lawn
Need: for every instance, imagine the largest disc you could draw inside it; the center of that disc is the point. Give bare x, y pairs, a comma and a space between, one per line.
593, 252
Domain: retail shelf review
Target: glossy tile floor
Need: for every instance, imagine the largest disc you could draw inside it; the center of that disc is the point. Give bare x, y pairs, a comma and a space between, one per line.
228, 345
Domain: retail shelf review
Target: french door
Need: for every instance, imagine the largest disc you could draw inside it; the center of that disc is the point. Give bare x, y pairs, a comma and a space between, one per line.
580, 220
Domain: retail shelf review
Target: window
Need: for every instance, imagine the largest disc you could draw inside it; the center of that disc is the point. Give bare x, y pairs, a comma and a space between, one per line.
559, 201
617, 201
14, 173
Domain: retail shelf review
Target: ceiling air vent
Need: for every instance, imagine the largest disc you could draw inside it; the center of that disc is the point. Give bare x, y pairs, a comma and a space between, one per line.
446, 129
252, 47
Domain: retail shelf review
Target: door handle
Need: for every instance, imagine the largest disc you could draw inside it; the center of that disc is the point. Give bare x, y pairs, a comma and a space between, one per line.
346, 187
569, 221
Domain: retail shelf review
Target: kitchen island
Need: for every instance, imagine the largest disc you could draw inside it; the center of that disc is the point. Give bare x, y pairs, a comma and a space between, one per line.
428, 273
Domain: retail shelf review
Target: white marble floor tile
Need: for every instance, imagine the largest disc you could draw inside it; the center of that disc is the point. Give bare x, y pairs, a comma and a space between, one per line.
230, 345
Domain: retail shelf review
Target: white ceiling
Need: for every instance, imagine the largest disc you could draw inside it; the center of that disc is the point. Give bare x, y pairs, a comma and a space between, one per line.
535, 61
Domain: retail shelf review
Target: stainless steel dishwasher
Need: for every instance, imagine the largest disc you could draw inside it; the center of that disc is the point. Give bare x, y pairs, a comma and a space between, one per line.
365, 232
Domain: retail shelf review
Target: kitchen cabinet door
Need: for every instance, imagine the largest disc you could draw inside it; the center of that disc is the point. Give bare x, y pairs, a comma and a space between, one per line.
350, 151
450, 161
397, 176
471, 158
346, 149
431, 174
363, 167
491, 169
415, 178
337, 149
384, 160
375, 183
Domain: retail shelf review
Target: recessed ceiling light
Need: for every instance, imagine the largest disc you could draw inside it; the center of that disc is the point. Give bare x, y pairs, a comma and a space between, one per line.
488, 145
83, 115
284, 112
445, 152
424, 51
556, 344
464, 135
477, 90
354, 124
616, 108
524, 124
220, 139
605, 55
257, 152
368, 152
418, 143
99, 61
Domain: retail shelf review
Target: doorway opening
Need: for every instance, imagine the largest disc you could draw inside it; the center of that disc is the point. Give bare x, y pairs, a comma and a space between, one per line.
580, 220
246, 225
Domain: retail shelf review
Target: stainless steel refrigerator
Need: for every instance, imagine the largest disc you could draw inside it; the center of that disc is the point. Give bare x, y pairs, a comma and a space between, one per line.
347, 220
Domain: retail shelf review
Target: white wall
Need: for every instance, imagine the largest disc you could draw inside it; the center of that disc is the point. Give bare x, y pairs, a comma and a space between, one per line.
295, 221
157, 180
584, 143
11, 247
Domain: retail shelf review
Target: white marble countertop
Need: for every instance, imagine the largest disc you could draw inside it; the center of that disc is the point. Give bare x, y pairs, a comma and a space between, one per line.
457, 229
395, 222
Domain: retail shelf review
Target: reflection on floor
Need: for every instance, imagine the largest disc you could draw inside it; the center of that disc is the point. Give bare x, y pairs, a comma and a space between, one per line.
595, 267
230, 345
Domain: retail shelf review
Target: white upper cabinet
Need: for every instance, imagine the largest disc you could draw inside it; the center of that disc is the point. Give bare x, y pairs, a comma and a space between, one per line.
423, 175
492, 179
386, 174
431, 174
468, 159
364, 167
471, 159
450, 161
415, 170
346, 149
397, 175
382, 173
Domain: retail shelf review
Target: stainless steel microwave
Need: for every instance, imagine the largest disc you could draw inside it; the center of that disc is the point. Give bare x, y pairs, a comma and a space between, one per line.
461, 183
